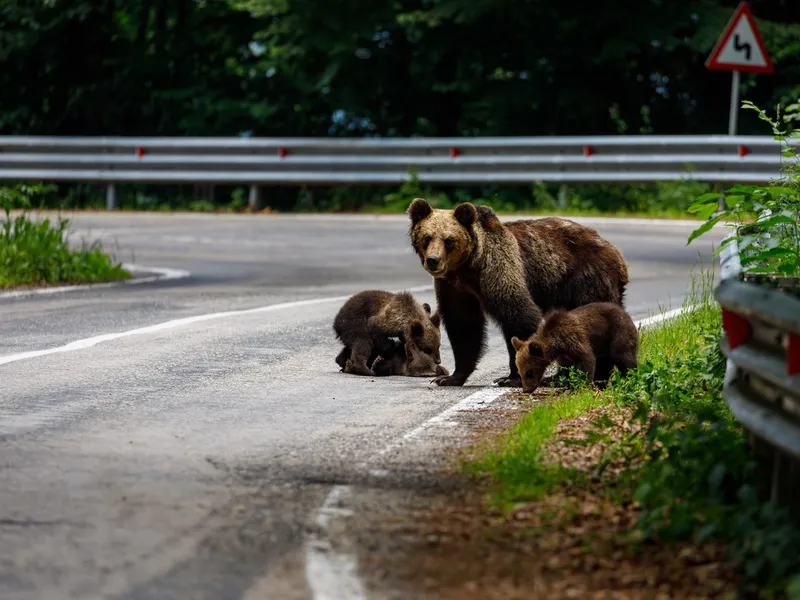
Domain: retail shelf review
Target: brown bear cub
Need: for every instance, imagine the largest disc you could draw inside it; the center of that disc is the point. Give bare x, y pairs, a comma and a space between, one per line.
407, 360
368, 320
593, 338
510, 272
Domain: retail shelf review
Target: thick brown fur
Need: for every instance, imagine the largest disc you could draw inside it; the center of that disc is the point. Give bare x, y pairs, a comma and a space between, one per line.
407, 360
368, 320
593, 338
510, 272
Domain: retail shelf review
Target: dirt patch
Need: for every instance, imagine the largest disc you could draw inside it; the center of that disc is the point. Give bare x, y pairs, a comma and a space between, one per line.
574, 543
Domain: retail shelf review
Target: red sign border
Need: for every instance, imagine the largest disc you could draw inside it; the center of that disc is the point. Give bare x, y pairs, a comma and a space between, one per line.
742, 11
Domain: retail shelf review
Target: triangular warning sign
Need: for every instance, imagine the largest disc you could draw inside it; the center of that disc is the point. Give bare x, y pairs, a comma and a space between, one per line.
740, 48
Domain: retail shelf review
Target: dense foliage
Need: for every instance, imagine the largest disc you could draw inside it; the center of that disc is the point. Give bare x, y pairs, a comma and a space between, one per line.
353, 68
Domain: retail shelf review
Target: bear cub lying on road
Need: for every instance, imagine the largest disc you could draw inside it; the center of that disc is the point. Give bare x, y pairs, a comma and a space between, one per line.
594, 338
406, 360
367, 322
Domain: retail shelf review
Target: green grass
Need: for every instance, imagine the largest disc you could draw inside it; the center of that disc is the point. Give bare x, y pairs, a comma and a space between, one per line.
37, 253
515, 466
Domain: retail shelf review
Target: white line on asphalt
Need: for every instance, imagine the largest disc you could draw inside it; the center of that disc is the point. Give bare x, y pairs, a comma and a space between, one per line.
332, 574
161, 274
158, 327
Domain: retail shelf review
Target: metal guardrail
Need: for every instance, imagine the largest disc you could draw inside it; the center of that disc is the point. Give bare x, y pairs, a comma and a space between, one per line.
761, 340
354, 161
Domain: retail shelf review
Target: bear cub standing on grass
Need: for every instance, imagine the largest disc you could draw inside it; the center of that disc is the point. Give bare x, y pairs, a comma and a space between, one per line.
593, 338
368, 320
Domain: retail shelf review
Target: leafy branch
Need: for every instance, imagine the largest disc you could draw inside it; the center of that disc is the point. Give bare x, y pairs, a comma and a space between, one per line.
765, 219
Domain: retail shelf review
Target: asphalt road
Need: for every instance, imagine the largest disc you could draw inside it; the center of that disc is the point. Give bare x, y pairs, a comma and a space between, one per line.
188, 461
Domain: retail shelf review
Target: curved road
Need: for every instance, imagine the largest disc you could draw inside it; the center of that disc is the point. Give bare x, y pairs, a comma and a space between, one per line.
188, 460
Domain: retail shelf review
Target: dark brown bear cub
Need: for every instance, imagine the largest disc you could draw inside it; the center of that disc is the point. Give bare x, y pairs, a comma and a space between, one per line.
407, 360
593, 338
510, 272
368, 320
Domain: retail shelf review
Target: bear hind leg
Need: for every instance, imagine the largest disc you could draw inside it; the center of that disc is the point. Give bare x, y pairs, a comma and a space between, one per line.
360, 353
342, 357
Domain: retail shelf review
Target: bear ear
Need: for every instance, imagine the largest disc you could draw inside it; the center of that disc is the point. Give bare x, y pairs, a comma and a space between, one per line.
426, 307
466, 214
415, 328
517, 343
418, 210
436, 319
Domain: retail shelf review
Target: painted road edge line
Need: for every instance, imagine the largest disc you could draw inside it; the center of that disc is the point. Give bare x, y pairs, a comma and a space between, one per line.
159, 327
160, 274
333, 574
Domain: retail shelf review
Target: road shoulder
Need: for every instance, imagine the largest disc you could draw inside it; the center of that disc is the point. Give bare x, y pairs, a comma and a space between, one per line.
435, 535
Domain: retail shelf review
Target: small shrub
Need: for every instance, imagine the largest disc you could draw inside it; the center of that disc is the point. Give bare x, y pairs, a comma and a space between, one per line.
36, 253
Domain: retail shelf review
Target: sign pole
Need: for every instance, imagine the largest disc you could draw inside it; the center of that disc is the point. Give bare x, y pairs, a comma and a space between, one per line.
735, 81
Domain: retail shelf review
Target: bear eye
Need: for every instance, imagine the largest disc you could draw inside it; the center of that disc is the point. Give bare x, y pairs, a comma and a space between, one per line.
425, 241
529, 374
449, 243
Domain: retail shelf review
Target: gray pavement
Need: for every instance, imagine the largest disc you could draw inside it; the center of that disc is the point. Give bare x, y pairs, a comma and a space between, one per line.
188, 462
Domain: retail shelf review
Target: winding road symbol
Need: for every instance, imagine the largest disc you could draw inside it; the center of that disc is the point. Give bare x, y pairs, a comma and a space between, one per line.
742, 47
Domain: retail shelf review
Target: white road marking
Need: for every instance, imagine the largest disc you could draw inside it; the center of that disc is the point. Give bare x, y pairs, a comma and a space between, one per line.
161, 274
332, 574
158, 327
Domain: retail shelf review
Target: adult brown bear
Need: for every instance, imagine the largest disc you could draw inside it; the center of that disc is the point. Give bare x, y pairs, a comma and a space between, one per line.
511, 271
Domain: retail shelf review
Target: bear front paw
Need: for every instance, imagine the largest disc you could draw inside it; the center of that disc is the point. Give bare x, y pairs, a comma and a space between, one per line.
509, 381
449, 380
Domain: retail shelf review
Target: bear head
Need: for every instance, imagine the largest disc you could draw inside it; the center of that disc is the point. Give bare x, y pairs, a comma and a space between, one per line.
443, 239
421, 364
532, 362
426, 337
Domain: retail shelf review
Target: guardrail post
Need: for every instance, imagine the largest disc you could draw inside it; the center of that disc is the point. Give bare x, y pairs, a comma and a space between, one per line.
254, 198
111, 196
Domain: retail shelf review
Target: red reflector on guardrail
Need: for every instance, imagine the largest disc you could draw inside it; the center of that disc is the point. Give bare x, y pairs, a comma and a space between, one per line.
282, 152
743, 151
736, 327
793, 354
588, 150
140, 152
454, 153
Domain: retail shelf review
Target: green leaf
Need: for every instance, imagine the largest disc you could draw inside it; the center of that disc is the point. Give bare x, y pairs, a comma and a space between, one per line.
744, 189
706, 198
765, 255
724, 243
732, 201
774, 220
704, 228
706, 210
788, 268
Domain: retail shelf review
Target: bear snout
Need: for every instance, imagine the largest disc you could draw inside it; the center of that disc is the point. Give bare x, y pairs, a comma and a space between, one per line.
432, 262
